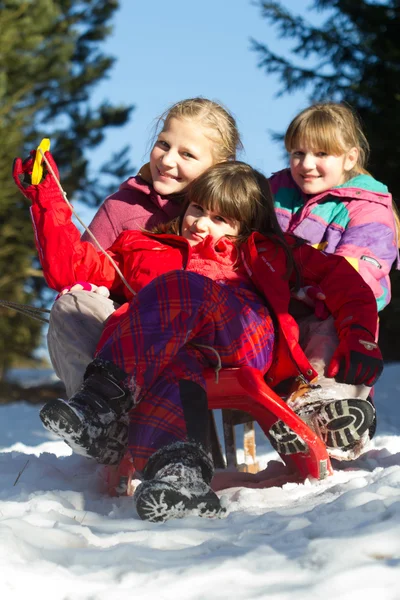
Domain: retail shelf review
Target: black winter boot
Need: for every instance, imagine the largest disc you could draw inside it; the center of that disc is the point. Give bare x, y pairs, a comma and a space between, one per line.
177, 484
94, 421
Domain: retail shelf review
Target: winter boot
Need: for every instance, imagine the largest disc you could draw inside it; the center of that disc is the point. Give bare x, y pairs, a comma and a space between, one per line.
177, 484
94, 421
343, 425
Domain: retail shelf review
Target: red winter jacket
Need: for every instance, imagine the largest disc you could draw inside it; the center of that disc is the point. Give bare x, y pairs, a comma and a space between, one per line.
141, 257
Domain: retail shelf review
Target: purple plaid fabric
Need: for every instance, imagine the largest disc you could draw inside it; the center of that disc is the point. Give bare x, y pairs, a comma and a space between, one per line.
155, 343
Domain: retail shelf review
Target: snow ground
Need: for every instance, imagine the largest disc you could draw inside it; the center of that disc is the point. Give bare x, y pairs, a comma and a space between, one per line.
63, 538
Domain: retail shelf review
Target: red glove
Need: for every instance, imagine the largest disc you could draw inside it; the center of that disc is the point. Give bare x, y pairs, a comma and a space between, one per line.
357, 359
47, 188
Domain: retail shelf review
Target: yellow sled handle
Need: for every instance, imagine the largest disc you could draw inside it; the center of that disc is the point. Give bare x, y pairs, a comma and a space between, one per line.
37, 171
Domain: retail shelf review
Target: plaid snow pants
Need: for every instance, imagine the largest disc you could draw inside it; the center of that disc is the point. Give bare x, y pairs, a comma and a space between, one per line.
155, 343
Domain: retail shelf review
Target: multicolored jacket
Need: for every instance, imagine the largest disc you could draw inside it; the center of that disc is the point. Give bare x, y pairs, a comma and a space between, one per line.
354, 220
141, 257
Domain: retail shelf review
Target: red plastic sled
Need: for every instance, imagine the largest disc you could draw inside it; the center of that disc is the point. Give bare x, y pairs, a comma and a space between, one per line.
244, 389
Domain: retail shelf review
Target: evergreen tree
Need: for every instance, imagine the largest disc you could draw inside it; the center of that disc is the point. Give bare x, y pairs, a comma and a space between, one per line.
353, 56
50, 62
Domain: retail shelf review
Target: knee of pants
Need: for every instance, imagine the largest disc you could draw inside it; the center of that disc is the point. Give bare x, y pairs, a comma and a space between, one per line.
76, 305
71, 304
60, 308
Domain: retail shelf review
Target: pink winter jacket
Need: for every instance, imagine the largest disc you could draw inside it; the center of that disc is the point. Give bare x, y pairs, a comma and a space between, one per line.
135, 206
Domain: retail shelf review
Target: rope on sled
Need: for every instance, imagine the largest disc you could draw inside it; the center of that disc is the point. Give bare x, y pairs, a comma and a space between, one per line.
32, 311
25, 309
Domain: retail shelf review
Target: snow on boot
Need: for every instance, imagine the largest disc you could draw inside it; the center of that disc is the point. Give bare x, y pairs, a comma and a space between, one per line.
94, 421
177, 484
341, 424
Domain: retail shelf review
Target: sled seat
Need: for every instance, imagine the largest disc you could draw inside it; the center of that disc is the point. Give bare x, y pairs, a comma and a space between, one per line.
244, 389
243, 396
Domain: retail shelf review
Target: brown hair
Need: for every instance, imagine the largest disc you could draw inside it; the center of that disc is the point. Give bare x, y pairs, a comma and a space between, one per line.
331, 127
238, 192
221, 125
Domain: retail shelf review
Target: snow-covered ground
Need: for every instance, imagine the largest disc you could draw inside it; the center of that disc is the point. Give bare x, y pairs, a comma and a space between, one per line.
62, 537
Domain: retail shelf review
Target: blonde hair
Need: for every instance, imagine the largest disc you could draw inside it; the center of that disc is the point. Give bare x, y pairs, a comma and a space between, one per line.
335, 129
221, 125
331, 127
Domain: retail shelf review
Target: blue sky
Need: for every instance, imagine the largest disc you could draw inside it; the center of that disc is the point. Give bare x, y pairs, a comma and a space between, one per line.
167, 51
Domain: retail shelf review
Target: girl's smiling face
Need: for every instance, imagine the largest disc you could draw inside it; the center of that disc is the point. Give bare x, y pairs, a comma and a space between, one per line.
317, 171
199, 222
182, 151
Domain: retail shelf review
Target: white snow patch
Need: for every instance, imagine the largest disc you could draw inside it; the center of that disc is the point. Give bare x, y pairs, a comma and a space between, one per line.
63, 538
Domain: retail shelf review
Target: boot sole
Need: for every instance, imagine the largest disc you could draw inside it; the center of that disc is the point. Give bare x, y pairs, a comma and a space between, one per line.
284, 440
106, 445
57, 416
341, 424
157, 501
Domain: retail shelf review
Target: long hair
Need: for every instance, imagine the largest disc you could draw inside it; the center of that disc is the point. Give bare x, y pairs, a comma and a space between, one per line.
240, 193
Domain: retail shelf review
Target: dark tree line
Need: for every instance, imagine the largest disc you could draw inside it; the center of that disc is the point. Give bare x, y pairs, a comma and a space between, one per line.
51, 59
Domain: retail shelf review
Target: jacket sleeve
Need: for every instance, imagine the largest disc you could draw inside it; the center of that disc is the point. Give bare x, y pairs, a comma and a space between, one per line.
348, 297
369, 243
65, 259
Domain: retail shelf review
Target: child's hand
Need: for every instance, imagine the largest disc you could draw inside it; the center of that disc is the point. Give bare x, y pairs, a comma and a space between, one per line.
314, 297
47, 188
85, 286
357, 359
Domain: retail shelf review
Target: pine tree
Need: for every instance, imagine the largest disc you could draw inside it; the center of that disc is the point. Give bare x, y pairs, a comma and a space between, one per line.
353, 56
50, 62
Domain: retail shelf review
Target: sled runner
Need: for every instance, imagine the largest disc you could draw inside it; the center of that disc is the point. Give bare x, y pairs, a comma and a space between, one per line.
244, 389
